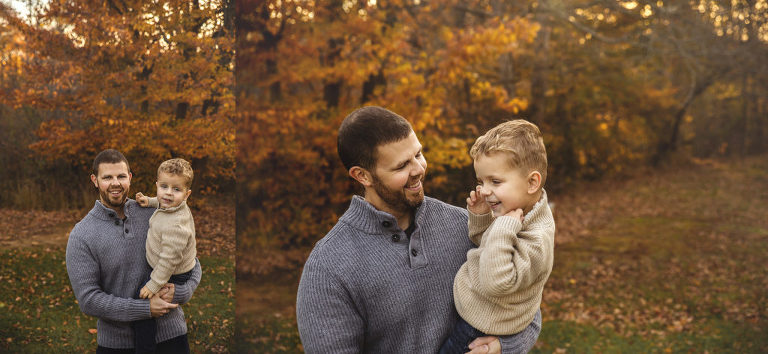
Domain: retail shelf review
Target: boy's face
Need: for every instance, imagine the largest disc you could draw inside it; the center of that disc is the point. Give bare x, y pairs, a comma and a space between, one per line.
505, 188
114, 182
398, 175
171, 190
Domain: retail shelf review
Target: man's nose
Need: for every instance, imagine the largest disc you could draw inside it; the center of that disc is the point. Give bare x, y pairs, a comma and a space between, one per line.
419, 169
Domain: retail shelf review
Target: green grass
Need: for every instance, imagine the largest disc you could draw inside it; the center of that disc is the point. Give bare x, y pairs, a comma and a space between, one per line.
39, 312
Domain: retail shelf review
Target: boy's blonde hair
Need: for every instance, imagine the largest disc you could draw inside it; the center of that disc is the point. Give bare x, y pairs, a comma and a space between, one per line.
179, 167
520, 140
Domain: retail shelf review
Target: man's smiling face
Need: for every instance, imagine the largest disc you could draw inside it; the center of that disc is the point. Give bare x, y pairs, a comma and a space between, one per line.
113, 182
398, 175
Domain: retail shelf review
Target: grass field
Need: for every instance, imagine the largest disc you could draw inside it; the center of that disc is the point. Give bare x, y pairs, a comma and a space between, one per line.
39, 312
669, 260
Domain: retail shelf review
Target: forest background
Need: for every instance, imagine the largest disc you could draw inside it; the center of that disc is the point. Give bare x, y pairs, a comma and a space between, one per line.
613, 85
153, 79
635, 99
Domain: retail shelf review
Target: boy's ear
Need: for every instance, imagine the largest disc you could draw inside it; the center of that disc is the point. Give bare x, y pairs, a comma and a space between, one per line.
189, 191
361, 175
534, 182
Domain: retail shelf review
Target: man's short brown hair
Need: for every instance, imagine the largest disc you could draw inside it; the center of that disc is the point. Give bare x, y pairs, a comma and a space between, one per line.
179, 167
520, 140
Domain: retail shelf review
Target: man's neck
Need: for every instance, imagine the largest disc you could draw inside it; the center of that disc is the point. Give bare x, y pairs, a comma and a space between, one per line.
403, 217
119, 211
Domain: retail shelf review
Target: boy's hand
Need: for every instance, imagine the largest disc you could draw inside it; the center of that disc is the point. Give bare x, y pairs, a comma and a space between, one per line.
142, 199
517, 213
145, 293
476, 203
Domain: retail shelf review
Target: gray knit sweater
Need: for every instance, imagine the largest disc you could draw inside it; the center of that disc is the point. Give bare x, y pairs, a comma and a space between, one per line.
366, 287
106, 264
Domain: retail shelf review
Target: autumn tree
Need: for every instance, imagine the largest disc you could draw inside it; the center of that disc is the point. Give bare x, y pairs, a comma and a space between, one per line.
612, 84
153, 79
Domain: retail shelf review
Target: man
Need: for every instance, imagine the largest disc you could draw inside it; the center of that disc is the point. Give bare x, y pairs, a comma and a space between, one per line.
106, 264
381, 280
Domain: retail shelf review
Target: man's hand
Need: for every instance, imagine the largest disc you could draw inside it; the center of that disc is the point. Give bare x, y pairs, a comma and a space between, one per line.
476, 202
145, 293
517, 213
159, 307
485, 345
142, 199
167, 291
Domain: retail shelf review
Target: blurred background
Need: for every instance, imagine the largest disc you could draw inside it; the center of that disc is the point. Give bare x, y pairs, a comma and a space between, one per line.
655, 118
152, 79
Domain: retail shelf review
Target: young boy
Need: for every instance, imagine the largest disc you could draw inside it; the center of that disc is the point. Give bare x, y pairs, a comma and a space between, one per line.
498, 289
170, 243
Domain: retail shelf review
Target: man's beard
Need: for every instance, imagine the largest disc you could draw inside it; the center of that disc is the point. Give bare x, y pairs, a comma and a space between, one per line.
106, 198
396, 199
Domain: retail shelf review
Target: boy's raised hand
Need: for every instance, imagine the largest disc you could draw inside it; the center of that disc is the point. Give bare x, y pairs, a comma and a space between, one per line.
142, 199
476, 202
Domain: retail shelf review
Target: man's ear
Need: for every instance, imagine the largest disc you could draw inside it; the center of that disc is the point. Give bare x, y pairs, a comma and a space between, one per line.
534, 182
361, 175
95, 182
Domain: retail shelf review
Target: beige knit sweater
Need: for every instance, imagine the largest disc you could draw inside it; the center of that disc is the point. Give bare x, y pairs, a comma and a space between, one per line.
170, 243
498, 289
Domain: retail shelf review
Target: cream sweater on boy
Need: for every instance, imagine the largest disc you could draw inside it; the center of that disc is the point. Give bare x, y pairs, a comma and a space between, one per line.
498, 289
170, 243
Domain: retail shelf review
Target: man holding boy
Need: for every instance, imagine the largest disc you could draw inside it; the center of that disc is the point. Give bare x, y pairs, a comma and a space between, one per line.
380, 281
106, 263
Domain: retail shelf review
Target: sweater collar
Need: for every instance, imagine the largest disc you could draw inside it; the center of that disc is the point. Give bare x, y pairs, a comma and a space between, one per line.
102, 212
538, 209
365, 217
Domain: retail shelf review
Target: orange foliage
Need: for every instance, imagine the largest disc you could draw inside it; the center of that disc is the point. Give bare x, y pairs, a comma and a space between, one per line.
152, 79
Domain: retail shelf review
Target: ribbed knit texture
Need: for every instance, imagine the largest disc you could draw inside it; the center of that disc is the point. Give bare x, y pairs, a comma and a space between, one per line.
498, 290
367, 288
107, 265
170, 243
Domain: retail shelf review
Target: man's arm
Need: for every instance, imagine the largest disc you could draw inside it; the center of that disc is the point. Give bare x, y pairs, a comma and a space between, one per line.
326, 315
83, 271
183, 293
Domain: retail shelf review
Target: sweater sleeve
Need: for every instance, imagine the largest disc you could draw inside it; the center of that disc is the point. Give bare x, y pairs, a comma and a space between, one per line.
477, 224
183, 293
84, 273
507, 260
327, 319
153, 203
173, 240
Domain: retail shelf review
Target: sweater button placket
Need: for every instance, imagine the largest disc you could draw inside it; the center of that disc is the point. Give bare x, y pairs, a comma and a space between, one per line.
395, 238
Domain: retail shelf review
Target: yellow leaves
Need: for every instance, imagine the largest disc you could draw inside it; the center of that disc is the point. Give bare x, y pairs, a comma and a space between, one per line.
92, 330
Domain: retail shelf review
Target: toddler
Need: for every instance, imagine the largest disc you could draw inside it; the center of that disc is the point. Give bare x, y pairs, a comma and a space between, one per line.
498, 289
170, 245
